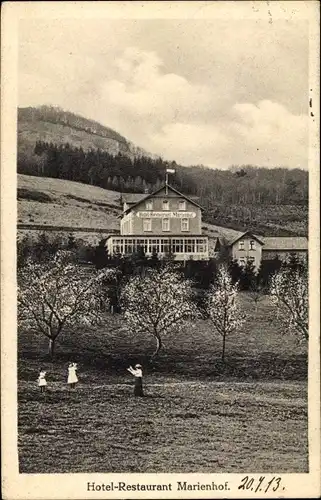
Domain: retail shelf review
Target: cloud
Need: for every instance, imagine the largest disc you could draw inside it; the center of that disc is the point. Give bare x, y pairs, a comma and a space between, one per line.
181, 120
211, 92
191, 144
269, 134
265, 134
143, 89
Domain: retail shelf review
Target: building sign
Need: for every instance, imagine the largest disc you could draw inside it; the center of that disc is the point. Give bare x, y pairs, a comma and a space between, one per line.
166, 215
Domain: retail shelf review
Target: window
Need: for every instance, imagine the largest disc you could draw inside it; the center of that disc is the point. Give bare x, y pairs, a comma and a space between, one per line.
182, 205
135, 244
164, 246
201, 246
241, 245
242, 261
185, 224
128, 246
154, 246
145, 246
252, 259
178, 246
165, 205
165, 224
117, 246
189, 246
252, 245
149, 205
147, 225
142, 246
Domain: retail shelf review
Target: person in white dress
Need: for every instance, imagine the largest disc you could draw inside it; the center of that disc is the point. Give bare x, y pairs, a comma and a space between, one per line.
138, 374
72, 376
42, 382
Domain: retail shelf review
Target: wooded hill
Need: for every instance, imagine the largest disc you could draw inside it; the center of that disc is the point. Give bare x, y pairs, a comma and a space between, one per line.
59, 144
53, 124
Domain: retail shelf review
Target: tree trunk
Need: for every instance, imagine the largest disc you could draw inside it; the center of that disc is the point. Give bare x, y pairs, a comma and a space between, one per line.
51, 348
223, 348
158, 346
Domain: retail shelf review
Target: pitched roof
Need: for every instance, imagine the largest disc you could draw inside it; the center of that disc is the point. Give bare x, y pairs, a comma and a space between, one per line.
147, 196
133, 197
285, 243
225, 233
214, 243
247, 233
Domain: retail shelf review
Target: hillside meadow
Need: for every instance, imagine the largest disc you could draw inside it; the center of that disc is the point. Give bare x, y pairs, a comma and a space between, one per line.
198, 415
45, 202
58, 202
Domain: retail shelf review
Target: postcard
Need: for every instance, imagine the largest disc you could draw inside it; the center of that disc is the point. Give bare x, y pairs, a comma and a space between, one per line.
160, 250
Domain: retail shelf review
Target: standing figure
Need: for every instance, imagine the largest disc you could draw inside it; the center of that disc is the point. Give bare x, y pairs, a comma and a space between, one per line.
138, 374
72, 377
42, 382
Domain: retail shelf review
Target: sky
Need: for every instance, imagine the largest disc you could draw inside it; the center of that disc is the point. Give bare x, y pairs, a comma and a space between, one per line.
211, 92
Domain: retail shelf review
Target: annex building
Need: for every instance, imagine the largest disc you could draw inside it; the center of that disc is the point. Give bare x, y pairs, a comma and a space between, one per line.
249, 247
165, 222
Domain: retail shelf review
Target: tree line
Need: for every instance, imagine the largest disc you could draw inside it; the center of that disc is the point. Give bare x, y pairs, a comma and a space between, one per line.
245, 185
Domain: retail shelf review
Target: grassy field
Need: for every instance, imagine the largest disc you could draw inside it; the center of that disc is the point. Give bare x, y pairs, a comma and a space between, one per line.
198, 414
179, 427
66, 203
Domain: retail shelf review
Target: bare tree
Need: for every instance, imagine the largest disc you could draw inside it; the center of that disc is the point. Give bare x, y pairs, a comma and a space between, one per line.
222, 306
158, 303
57, 294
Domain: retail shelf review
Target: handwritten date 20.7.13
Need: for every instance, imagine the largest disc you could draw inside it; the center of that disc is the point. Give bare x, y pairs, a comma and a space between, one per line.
262, 484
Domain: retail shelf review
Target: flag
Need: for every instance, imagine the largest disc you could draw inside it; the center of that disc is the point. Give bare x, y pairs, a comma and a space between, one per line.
170, 171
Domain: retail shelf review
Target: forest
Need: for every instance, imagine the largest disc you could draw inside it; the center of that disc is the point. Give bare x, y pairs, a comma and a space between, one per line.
239, 185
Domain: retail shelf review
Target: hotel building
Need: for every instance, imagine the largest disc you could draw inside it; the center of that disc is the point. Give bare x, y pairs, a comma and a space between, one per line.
165, 222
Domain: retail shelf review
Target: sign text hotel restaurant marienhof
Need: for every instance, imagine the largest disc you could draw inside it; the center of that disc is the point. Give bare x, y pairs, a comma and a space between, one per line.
166, 215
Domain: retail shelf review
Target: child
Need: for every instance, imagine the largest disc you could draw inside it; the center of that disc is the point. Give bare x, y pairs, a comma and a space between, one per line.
42, 383
138, 374
72, 377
